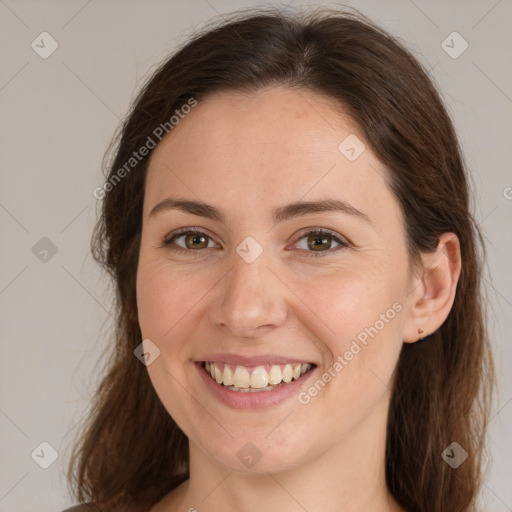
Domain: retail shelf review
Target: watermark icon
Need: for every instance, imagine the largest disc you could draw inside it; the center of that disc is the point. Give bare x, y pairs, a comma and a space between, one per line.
454, 455
147, 352
249, 249
44, 455
44, 250
44, 45
137, 156
305, 396
351, 147
249, 455
454, 45
507, 192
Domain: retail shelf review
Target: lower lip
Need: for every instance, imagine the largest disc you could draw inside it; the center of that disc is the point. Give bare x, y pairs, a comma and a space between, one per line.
252, 400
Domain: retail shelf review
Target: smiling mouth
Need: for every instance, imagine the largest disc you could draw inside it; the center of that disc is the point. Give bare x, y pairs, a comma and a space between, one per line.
255, 379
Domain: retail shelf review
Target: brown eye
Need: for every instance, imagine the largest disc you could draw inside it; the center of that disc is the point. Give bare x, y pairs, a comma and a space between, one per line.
192, 240
195, 241
319, 242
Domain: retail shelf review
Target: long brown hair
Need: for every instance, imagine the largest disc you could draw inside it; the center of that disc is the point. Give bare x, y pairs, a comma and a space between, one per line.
130, 450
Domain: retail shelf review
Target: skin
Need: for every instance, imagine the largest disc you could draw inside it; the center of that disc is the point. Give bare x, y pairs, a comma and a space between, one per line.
249, 154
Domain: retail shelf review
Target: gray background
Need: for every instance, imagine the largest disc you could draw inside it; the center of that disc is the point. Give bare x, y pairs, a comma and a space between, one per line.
57, 118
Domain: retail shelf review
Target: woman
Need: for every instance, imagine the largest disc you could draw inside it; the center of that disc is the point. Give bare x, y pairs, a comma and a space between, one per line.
300, 321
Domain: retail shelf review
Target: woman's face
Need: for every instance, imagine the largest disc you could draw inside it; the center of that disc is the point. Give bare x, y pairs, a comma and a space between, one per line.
259, 289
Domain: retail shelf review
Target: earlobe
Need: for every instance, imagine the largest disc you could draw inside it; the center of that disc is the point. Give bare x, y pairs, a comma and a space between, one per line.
433, 293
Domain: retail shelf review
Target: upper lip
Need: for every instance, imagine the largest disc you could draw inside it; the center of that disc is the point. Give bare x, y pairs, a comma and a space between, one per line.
237, 359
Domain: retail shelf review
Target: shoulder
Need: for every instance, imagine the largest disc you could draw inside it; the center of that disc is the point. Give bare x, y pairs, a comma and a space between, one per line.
78, 508
90, 507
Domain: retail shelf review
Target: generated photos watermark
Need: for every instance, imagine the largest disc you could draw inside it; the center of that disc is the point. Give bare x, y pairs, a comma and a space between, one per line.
151, 141
343, 360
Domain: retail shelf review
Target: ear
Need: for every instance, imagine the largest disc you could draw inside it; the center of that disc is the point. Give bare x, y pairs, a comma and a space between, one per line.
431, 295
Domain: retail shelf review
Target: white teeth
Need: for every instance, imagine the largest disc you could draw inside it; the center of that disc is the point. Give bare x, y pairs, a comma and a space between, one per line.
218, 375
287, 373
259, 379
227, 377
275, 376
241, 377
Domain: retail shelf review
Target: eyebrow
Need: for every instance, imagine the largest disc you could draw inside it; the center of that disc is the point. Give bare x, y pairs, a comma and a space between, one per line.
281, 214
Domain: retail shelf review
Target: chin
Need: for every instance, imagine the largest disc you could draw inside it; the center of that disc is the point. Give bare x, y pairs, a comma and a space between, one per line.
260, 456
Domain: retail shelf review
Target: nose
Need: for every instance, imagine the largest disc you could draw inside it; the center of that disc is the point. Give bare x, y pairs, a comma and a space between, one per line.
250, 300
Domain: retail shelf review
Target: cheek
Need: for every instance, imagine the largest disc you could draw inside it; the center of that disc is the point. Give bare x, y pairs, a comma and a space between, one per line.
358, 318
349, 304
365, 313
160, 309
161, 296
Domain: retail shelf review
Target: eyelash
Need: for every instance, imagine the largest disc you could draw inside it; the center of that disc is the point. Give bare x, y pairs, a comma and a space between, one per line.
196, 231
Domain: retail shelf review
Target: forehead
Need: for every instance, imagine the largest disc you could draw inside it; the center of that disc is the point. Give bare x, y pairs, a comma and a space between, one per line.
275, 145
279, 116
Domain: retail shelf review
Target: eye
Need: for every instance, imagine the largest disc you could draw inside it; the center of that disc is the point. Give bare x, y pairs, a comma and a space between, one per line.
193, 239
318, 242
